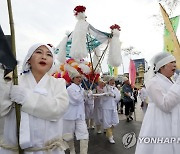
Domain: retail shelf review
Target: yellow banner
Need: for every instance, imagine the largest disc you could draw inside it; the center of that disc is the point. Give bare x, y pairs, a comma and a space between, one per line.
173, 37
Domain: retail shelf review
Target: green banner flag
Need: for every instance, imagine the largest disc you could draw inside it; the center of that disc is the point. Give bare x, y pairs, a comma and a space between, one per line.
168, 42
110, 70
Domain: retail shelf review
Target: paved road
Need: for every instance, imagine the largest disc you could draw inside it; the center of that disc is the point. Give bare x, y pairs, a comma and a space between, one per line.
1, 126
98, 144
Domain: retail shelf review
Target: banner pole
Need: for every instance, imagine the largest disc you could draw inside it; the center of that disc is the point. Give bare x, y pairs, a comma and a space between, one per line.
15, 74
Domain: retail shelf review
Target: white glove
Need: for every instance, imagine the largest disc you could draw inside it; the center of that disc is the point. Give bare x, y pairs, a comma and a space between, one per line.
132, 97
89, 93
110, 94
18, 94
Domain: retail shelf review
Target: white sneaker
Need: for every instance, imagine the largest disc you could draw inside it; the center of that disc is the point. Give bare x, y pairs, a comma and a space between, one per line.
111, 140
99, 132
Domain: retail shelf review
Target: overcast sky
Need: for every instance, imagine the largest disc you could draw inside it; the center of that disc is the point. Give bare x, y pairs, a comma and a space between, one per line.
48, 20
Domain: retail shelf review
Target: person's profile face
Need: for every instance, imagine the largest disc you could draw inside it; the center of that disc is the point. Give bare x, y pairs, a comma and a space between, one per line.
169, 69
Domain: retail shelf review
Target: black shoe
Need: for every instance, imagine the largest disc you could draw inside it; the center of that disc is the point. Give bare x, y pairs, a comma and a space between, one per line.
131, 118
127, 120
121, 111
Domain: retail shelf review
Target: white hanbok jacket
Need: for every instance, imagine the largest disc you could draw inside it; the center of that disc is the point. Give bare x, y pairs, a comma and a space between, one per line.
157, 124
41, 114
98, 106
89, 106
76, 108
110, 102
109, 107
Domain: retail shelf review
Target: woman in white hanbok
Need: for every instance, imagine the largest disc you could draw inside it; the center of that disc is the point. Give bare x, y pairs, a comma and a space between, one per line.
156, 134
44, 100
109, 107
144, 98
98, 106
89, 110
74, 118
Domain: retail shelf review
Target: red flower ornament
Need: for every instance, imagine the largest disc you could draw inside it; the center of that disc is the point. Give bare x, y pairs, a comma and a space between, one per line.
115, 26
79, 9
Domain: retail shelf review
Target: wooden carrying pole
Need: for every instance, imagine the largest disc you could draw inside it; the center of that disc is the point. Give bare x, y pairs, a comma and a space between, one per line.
15, 75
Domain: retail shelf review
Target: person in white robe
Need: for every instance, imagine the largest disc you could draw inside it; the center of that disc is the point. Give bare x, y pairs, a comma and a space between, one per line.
89, 109
74, 118
44, 100
109, 107
144, 98
98, 106
157, 130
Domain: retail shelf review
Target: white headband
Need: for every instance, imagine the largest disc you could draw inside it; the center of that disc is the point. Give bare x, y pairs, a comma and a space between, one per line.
26, 66
164, 61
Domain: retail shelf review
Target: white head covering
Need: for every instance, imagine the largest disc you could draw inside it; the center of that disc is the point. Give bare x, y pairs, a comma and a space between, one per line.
162, 59
72, 72
101, 80
26, 66
107, 78
157, 62
124, 79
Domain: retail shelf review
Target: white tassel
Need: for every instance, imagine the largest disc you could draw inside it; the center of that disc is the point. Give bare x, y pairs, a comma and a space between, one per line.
62, 49
78, 47
114, 57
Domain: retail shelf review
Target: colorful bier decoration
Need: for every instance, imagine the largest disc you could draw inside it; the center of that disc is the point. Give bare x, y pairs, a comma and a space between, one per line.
83, 67
84, 42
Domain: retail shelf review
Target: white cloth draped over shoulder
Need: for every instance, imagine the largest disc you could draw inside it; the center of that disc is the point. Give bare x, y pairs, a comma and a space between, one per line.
164, 97
41, 114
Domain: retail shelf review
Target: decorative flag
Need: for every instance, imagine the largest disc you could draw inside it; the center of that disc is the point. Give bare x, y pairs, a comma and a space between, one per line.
7, 58
132, 73
115, 71
94, 37
168, 42
173, 36
110, 70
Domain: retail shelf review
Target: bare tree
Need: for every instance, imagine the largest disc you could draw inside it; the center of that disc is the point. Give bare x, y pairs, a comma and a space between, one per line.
130, 51
170, 6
